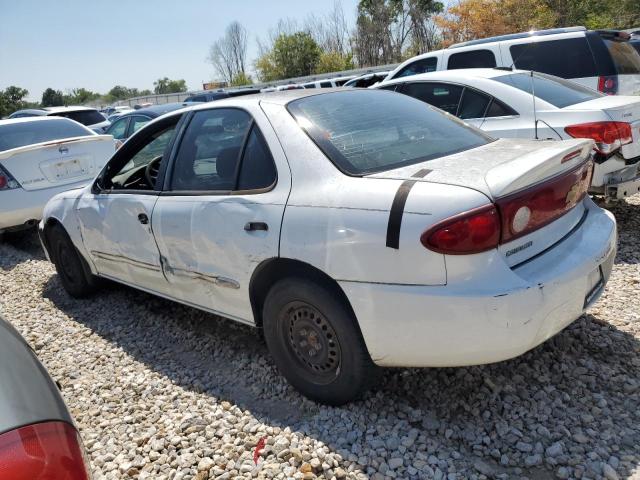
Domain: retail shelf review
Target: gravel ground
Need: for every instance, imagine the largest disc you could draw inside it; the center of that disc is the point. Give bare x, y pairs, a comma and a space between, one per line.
163, 391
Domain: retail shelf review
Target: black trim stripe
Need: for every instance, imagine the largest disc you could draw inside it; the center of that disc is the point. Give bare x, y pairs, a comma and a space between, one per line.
397, 209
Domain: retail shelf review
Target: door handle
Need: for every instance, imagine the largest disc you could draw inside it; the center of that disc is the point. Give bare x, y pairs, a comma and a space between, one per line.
253, 226
143, 219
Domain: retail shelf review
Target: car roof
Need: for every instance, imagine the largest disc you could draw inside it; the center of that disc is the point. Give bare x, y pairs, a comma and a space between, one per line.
515, 36
280, 97
453, 75
158, 110
66, 109
32, 111
34, 119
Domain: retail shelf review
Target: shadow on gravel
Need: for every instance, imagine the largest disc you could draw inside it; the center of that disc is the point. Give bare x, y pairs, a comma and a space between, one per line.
19, 247
628, 218
572, 403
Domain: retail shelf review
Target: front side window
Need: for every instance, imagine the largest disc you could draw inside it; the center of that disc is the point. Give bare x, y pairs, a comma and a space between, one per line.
15, 135
423, 65
567, 58
325, 85
118, 128
368, 131
137, 122
556, 91
136, 165
442, 95
472, 59
210, 150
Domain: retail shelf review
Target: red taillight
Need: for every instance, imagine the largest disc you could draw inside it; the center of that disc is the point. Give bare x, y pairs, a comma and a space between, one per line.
609, 136
471, 232
43, 451
535, 207
608, 85
511, 217
3, 181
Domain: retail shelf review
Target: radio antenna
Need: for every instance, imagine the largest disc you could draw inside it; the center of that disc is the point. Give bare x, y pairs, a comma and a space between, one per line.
535, 114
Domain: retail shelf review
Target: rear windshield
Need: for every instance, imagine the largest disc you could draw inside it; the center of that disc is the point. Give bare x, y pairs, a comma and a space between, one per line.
625, 57
556, 91
367, 131
15, 135
566, 58
85, 117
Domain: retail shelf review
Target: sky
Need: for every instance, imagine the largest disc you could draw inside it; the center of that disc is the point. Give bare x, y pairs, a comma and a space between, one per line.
65, 44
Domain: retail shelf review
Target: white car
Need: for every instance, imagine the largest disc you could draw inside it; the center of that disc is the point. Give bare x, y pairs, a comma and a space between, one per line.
367, 80
356, 227
602, 59
329, 82
87, 116
41, 157
502, 104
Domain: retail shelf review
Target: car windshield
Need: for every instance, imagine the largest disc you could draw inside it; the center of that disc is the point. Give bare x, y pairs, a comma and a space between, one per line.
367, 131
19, 134
556, 91
625, 57
85, 117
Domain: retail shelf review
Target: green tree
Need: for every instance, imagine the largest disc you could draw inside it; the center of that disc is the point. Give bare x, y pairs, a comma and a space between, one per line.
165, 85
333, 62
52, 98
79, 96
119, 93
12, 99
241, 79
294, 55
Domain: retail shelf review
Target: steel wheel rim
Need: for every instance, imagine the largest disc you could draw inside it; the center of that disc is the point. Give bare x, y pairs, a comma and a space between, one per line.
312, 341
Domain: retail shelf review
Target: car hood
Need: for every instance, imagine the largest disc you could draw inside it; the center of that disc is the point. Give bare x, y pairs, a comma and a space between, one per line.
27, 394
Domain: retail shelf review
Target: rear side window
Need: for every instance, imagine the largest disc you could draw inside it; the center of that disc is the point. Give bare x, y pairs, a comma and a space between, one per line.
635, 45
472, 59
556, 91
325, 85
309, 85
474, 104
257, 170
85, 117
20, 134
423, 65
499, 109
567, 58
368, 131
442, 95
625, 57
118, 128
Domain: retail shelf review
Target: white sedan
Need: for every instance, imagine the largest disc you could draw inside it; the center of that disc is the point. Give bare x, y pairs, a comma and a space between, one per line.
357, 228
501, 103
41, 157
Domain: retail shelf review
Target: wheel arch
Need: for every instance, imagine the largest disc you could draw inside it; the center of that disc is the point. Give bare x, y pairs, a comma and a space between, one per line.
274, 269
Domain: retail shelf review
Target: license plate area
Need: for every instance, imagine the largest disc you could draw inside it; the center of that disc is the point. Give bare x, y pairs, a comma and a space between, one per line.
68, 169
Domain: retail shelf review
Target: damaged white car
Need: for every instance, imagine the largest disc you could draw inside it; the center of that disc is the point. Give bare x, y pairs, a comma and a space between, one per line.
521, 104
357, 228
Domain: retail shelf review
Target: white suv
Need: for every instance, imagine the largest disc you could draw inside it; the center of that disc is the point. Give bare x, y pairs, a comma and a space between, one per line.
603, 60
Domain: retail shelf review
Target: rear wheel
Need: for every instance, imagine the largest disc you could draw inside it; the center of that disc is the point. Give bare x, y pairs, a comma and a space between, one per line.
73, 274
315, 342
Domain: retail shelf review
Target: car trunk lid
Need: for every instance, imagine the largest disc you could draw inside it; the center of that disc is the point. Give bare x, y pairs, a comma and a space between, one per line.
548, 177
59, 162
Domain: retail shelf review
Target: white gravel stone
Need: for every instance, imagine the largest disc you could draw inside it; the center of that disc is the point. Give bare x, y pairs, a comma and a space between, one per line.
163, 391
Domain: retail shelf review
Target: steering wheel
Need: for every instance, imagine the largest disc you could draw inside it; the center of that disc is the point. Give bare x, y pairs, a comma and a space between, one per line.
151, 172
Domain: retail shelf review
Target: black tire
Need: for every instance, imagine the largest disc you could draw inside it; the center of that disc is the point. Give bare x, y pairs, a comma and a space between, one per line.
74, 274
315, 341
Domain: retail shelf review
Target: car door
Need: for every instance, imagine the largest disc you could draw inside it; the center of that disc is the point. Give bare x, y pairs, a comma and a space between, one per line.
221, 212
115, 217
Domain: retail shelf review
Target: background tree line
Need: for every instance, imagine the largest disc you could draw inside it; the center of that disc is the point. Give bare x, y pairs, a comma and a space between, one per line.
13, 98
390, 31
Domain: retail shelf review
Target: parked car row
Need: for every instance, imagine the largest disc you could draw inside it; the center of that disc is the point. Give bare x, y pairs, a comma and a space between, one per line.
87, 116
433, 219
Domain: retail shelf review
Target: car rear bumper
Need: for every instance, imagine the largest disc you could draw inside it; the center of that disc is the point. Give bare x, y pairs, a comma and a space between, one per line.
455, 325
21, 208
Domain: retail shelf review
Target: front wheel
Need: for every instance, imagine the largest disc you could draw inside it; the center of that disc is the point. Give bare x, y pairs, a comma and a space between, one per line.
315, 342
73, 275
